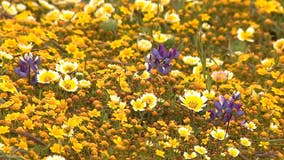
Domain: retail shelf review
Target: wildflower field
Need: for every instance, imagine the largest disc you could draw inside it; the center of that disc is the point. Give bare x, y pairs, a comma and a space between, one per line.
141, 79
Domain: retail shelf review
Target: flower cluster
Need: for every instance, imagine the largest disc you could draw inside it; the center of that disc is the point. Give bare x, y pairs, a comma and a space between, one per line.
161, 58
225, 108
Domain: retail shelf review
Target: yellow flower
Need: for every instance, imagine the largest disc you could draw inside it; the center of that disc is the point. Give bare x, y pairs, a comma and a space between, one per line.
46, 77
118, 141
108, 8
190, 60
57, 148
199, 149
209, 94
250, 126
94, 113
279, 44
56, 132
140, 4
4, 129
184, 132
84, 84
77, 147
234, 152
101, 14
138, 105
268, 62
172, 17
29, 124
68, 84
150, 99
246, 35
189, 156
219, 134
7, 85
160, 153
75, 121
245, 142
193, 100
25, 48
5, 55
264, 144
67, 15
46, 5
144, 45
160, 37
174, 143
120, 115
9, 8
66, 67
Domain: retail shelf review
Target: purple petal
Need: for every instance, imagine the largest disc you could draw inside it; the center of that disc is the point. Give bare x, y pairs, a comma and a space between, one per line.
218, 105
162, 51
174, 53
156, 54
164, 69
21, 73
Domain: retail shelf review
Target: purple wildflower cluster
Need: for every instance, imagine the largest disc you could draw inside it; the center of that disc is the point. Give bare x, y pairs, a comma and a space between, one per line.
161, 58
225, 108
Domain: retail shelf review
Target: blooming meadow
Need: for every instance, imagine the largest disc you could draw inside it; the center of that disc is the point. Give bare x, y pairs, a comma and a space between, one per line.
141, 79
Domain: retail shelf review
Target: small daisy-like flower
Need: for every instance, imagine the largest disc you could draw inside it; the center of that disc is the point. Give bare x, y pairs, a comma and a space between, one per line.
193, 100
144, 45
264, 144
160, 37
245, 141
189, 156
209, 94
84, 83
184, 132
190, 60
234, 152
279, 45
172, 17
140, 4
138, 105
246, 35
222, 76
25, 48
56, 132
68, 84
55, 157
108, 8
9, 8
5, 55
150, 99
205, 26
66, 67
219, 134
46, 5
250, 126
199, 149
47, 76
67, 15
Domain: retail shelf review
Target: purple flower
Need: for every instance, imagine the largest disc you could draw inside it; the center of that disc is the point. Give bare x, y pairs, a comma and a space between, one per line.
161, 59
26, 64
225, 108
